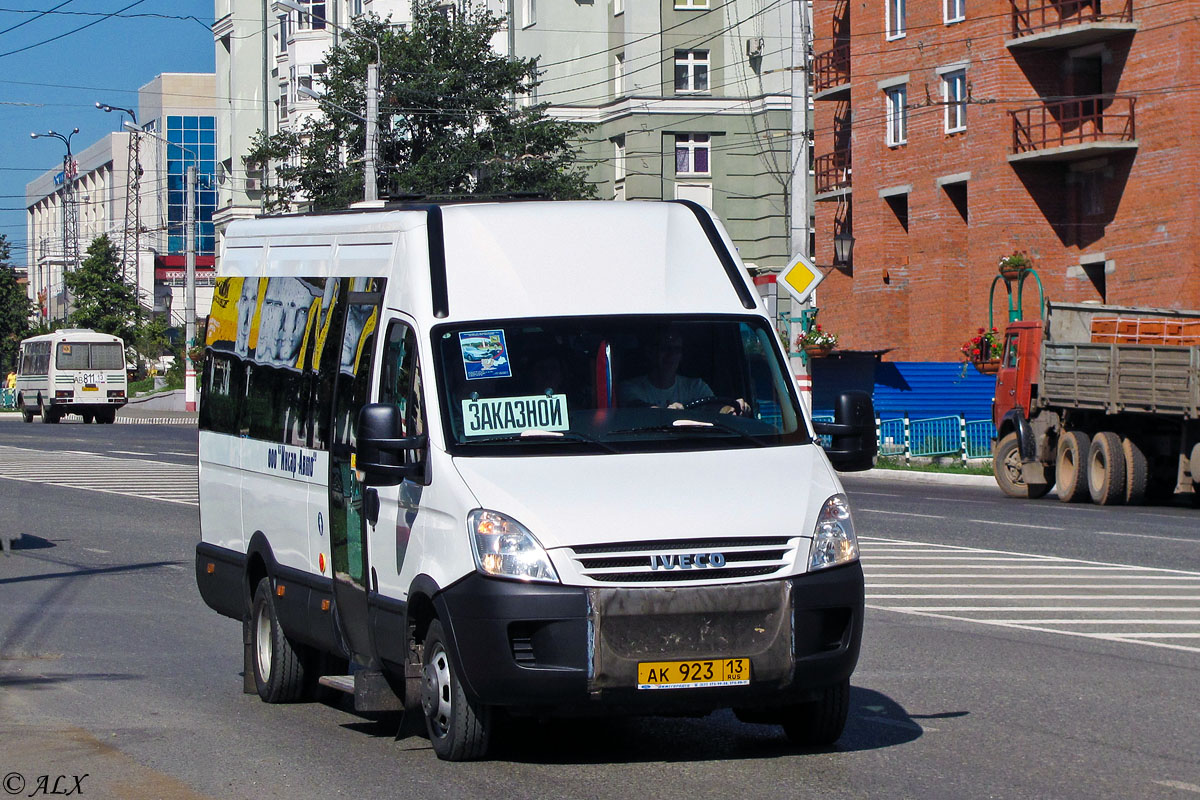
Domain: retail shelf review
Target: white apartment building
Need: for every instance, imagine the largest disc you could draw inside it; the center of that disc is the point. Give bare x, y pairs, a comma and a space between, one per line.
174, 106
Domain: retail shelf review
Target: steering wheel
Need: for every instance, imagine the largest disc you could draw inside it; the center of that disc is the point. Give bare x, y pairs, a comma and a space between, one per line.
719, 401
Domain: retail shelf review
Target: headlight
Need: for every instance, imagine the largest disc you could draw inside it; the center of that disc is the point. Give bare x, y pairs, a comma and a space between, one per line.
833, 540
505, 549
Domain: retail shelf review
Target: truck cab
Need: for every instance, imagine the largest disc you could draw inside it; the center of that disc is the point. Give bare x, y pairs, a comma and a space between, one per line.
1017, 378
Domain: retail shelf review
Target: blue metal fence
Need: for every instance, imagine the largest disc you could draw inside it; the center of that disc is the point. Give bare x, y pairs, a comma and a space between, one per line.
930, 437
8, 398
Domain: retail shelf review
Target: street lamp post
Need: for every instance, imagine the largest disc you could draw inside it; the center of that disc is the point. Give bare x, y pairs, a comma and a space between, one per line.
371, 146
133, 207
189, 336
70, 219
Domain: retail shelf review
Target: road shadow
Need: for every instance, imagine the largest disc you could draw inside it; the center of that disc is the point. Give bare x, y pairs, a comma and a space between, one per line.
53, 679
28, 541
88, 572
875, 721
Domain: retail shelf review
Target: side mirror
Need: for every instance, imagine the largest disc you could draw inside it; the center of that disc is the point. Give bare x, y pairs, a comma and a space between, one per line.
380, 448
854, 439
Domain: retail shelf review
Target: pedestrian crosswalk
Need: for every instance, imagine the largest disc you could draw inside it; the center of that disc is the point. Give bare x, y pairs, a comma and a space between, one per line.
1090, 599
133, 477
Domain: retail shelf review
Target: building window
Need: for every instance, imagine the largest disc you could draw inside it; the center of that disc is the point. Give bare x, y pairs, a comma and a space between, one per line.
528, 12
897, 115
691, 71
619, 75
313, 18
691, 154
686, 4
618, 7
199, 136
619, 168
955, 10
954, 95
896, 18
283, 34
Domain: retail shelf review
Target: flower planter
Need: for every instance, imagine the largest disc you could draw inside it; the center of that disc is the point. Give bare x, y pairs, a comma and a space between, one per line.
1012, 273
989, 367
817, 352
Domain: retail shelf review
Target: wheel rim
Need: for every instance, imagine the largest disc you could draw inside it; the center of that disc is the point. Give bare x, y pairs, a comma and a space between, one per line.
1012, 466
1097, 468
1067, 467
437, 699
262, 644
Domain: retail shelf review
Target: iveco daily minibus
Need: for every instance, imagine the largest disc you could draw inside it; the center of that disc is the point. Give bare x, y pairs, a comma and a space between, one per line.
528, 458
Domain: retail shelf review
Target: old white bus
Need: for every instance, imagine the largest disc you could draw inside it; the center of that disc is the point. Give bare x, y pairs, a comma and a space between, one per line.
443, 467
72, 371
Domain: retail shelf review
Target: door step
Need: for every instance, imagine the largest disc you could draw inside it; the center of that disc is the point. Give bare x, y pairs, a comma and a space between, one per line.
370, 689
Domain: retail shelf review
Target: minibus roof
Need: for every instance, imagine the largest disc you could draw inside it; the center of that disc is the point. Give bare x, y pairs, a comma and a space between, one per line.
513, 259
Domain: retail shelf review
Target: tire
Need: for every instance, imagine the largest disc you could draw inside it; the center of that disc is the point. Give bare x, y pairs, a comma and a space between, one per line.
88, 417
819, 723
1071, 466
1106, 470
1137, 472
26, 412
49, 416
107, 416
1006, 467
279, 673
458, 729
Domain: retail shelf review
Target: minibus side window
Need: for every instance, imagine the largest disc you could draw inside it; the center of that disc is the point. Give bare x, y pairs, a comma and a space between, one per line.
400, 383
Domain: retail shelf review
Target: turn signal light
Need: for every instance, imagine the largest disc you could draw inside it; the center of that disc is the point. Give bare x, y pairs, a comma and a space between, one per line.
324, 605
279, 590
211, 568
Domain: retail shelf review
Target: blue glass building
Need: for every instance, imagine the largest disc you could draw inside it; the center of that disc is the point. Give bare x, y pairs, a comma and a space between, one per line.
198, 134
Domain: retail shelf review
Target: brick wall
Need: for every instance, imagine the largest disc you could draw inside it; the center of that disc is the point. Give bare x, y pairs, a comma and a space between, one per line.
921, 292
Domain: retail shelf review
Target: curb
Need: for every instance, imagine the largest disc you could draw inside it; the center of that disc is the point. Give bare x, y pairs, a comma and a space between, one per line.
917, 476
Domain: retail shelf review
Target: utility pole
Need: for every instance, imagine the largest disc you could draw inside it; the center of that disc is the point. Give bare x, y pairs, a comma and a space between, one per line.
133, 211
799, 233
189, 369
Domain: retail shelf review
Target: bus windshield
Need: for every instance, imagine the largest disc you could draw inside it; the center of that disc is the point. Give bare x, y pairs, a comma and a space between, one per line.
614, 384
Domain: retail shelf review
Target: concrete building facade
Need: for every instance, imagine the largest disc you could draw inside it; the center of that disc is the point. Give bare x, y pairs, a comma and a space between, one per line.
949, 135
174, 106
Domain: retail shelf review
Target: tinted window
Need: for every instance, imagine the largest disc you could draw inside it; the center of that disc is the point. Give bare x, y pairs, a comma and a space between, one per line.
72, 355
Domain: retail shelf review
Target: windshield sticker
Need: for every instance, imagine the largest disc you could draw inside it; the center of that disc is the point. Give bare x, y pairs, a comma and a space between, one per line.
485, 355
489, 416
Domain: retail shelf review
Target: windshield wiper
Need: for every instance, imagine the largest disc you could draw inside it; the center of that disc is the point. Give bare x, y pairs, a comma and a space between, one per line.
689, 426
538, 435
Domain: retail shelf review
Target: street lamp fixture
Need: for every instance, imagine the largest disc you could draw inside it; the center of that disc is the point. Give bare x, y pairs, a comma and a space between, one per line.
70, 219
370, 150
105, 107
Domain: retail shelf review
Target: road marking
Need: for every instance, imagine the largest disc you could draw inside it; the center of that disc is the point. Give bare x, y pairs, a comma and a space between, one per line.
165, 481
1123, 603
1015, 524
1147, 536
900, 513
1187, 787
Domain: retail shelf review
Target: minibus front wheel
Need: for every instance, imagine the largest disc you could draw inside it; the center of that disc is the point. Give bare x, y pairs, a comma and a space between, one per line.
819, 723
458, 729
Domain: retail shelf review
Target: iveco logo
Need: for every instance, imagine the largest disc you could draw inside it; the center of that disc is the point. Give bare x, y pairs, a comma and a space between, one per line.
687, 561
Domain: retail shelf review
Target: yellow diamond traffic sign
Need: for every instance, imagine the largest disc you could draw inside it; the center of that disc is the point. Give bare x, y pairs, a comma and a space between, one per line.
800, 278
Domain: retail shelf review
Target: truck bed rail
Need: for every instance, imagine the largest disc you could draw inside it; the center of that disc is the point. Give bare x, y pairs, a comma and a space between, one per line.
1114, 378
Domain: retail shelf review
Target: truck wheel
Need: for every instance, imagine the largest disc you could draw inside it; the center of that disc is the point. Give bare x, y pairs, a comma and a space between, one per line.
1006, 466
1137, 472
458, 729
1070, 466
278, 667
819, 723
1106, 469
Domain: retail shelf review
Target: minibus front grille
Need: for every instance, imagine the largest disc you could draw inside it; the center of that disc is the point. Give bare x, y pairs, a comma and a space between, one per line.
684, 560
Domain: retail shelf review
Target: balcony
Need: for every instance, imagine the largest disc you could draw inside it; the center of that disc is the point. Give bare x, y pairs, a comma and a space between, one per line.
831, 73
1053, 24
832, 175
1069, 130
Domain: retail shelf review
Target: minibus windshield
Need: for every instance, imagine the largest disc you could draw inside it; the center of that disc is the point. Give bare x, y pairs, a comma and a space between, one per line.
614, 384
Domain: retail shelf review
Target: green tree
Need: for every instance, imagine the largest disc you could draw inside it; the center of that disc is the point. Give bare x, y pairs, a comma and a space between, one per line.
15, 310
100, 297
448, 124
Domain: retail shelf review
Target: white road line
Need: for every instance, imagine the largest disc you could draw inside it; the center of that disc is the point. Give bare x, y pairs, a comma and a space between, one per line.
1132, 639
1148, 536
899, 513
1022, 621
1084, 609
1187, 787
1015, 524
1027, 597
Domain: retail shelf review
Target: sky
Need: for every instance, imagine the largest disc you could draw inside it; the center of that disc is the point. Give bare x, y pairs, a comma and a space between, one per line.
53, 69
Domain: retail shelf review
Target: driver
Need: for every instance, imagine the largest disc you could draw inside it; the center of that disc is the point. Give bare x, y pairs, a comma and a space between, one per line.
662, 386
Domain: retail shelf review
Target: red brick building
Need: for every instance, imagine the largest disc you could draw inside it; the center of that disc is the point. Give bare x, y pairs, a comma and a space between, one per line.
950, 133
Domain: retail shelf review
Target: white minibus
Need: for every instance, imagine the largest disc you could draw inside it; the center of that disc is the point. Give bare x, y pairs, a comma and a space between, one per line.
531, 458
72, 371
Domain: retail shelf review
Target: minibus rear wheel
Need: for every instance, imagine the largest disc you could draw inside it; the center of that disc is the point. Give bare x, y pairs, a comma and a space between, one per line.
820, 722
278, 667
458, 729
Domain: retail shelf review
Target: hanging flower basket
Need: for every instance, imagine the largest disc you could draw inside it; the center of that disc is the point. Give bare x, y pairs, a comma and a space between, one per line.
816, 342
817, 351
1013, 266
989, 367
983, 351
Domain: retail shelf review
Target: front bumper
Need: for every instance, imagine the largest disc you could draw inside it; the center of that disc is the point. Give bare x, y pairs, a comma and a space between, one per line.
574, 650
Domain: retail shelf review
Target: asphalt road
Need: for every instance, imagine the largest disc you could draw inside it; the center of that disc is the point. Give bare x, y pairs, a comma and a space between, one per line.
111, 666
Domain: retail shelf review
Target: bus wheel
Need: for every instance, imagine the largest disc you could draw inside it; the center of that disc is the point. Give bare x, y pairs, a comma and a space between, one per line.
49, 415
458, 729
88, 417
1106, 469
107, 417
278, 668
26, 412
819, 723
1071, 468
